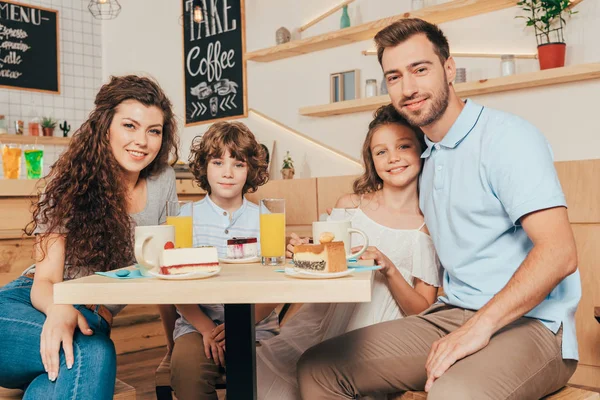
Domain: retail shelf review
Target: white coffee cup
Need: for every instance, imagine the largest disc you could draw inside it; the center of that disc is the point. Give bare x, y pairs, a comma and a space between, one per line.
149, 243
341, 231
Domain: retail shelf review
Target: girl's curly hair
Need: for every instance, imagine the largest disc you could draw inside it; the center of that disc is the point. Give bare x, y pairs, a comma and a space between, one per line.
242, 145
85, 198
369, 181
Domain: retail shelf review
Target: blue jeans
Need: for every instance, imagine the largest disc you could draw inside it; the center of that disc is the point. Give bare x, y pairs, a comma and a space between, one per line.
95, 367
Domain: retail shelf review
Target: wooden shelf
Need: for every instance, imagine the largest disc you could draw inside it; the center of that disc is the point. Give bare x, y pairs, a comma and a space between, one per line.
44, 140
531, 56
19, 187
470, 89
440, 13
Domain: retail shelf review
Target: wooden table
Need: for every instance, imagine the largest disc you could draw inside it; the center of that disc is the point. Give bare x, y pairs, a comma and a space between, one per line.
239, 287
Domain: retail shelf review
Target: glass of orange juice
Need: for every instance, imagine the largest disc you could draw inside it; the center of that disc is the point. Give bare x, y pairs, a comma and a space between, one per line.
11, 160
180, 214
272, 231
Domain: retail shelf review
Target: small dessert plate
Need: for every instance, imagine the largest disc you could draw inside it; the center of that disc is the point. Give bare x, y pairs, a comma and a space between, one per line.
247, 260
298, 273
189, 275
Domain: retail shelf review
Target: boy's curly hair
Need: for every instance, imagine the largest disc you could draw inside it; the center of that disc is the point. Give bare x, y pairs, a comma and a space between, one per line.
242, 145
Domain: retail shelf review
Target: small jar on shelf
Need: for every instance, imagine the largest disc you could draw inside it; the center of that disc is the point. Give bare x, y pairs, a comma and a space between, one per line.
3, 126
371, 88
508, 65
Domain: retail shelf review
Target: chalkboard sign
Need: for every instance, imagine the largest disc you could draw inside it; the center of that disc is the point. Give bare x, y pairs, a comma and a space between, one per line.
213, 59
28, 47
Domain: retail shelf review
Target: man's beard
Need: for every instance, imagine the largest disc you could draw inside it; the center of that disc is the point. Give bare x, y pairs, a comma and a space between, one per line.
420, 118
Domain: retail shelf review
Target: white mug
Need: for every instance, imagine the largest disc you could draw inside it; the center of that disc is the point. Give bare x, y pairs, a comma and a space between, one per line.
149, 244
341, 231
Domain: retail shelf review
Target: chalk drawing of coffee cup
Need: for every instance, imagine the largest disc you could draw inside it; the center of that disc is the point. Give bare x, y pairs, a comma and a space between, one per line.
214, 106
202, 91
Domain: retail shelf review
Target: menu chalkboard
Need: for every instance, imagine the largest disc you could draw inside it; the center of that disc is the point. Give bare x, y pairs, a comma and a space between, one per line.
213, 59
28, 47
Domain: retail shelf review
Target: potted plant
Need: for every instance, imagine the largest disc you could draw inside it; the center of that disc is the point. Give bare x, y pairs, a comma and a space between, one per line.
548, 19
287, 171
48, 125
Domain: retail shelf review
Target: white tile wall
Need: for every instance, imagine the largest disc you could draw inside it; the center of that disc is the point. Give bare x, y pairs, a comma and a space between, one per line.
80, 50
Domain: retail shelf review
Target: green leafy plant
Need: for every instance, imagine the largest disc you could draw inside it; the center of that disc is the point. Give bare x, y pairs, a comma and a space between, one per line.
547, 17
288, 163
48, 122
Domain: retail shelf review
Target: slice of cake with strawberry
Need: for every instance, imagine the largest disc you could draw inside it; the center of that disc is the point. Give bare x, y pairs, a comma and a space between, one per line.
182, 261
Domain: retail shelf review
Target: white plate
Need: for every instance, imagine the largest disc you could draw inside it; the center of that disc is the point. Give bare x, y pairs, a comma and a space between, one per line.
297, 273
189, 275
247, 260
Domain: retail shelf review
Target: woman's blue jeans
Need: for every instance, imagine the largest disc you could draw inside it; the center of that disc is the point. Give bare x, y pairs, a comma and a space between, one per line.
95, 367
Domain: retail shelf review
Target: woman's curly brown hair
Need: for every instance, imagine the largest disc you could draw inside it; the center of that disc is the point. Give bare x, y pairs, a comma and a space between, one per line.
242, 145
85, 198
369, 181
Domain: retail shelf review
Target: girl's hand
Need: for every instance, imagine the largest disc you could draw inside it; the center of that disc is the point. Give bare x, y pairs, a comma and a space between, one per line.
388, 268
212, 350
59, 327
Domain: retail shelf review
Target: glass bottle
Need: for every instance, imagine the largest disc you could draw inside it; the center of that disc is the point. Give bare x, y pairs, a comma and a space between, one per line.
3, 127
371, 88
34, 127
345, 20
508, 64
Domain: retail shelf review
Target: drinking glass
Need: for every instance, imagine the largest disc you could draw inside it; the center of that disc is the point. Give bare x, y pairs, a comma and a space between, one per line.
272, 231
34, 161
180, 214
11, 160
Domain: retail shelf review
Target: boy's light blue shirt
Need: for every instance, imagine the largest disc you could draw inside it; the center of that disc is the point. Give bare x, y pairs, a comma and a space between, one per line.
212, 227
489, 170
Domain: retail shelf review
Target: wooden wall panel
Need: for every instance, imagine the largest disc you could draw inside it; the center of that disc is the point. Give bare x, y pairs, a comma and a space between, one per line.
15, 256
15, 212
580, 181
300, 198
332, 188
587, 237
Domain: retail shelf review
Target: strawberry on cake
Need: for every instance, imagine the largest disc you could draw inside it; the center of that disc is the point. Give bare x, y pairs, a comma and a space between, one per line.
183, 261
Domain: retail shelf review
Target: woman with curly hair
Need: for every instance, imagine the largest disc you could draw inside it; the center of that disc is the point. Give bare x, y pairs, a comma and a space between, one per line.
227, 162
114, 175
385, 205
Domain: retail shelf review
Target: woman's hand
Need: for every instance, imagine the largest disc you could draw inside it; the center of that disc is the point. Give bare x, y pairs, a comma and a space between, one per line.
294, 241
59, 327
387, 269
212, 350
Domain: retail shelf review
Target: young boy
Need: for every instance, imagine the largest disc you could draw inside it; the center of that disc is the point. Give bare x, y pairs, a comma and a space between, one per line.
227, 162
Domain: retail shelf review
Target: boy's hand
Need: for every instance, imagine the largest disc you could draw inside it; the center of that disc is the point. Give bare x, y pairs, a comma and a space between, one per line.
218, 335
294, 241
213, 351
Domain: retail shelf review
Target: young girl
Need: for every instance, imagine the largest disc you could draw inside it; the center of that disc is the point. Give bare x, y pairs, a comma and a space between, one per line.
114, 175
227, 162
385, 206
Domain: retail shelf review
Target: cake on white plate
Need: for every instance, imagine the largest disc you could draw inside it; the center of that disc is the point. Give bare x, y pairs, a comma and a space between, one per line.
326, 257
244, 247
183, 261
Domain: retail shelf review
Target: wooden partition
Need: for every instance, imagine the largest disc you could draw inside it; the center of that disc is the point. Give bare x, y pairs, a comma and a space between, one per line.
330, 189
580, 181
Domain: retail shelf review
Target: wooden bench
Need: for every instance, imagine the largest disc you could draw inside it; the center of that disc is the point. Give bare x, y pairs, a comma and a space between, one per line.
122, 392
566, 393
